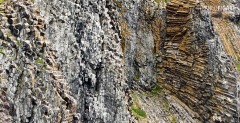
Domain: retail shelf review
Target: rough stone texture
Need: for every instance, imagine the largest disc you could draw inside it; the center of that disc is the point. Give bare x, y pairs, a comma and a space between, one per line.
94, 60
225, 16
32, 88
161, 108
195, 66
85, 35
143, 24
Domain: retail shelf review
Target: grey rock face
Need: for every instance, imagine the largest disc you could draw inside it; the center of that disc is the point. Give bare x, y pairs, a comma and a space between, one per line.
196, 67
143, 21
225, 78
113, 61
85, 35
31, 85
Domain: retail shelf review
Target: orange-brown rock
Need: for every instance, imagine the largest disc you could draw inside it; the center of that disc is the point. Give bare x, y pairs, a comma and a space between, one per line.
195, 66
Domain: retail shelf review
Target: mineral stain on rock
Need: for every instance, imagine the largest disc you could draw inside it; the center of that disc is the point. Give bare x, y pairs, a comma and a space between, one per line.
119, 61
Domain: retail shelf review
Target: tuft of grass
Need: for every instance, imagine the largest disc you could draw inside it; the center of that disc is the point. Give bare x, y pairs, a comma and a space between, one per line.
156, 90
9, 34
1, 52
238, 66
1, 1
18, 43
138, 112
157, 1
174, 119
136, 78
40, 61
161, 1
165, 105
135, 108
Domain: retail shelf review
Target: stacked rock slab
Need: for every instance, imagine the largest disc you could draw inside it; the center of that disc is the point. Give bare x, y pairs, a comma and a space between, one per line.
195, 66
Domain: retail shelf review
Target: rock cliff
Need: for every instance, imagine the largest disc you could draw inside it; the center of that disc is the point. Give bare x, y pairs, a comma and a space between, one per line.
119, 61
195, 66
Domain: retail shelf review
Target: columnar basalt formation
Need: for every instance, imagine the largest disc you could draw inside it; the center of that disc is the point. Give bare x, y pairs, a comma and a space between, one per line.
225, 16
195, 66
115, 61
32, 87
85, 35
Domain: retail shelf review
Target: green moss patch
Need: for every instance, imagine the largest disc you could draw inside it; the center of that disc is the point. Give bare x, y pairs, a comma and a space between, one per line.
157, 90
136, 109
1, 52
40, 61
136, 78
238, 66
18, 43
158, 1
9, 34
138, 112
173, 119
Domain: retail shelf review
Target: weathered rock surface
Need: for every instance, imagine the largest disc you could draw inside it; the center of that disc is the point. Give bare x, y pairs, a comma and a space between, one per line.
118, 61
32, 88
225, 16
85, 35
195, 66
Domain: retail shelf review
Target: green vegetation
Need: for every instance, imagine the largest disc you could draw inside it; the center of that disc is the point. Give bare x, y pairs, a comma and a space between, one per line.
136, 109
161, 1
18, 43
1, 52
46, 87
157, 1
174, 119
1, 1
156, 90
136, 78
9, 34
40, 61
238, 66
10, 56
138, 112
44, 68
165, 105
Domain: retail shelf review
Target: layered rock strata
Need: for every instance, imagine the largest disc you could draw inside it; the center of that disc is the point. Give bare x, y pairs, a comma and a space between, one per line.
225, 16
195, 66
114, 61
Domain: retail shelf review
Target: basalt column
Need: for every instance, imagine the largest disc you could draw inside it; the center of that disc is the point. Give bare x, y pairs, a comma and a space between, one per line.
195, 66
